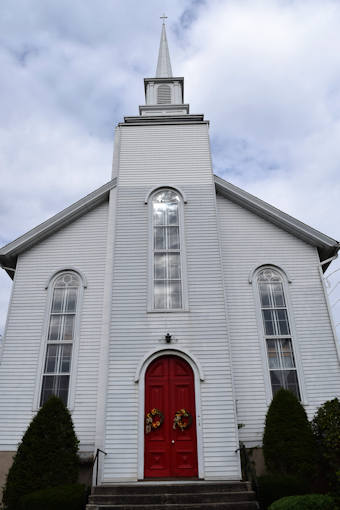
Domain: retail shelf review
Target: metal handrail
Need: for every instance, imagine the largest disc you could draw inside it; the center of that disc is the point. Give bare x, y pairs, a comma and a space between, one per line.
96, 457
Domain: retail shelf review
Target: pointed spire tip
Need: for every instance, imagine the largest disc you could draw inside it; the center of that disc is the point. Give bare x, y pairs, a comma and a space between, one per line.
163, 64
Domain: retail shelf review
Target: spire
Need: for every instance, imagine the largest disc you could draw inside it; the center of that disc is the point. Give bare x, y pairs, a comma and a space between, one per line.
163, 65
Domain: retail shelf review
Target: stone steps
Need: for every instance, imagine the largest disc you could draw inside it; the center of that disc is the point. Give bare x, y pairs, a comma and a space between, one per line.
173, 496
205, 506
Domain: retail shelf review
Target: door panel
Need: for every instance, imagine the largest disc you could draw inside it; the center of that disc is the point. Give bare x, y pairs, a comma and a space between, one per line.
169, 387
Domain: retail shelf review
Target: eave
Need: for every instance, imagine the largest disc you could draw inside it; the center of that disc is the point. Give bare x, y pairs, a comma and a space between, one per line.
9, 253
327, 247
144, 120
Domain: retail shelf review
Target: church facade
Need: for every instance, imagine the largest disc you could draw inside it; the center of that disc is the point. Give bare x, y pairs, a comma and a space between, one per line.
166, 308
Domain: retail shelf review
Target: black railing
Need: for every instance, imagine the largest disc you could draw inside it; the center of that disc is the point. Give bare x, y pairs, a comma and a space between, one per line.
96, 461
247, 466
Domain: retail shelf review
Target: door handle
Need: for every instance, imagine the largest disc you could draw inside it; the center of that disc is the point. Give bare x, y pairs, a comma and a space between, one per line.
173, 441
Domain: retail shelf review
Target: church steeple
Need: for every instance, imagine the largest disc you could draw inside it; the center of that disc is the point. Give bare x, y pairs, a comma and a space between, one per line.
163, 64
164, 93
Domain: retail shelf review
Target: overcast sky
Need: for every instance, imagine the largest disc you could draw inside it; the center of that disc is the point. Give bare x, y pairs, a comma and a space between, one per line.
266, 73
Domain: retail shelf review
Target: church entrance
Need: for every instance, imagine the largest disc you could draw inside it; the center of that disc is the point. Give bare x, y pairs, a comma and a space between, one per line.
170, 419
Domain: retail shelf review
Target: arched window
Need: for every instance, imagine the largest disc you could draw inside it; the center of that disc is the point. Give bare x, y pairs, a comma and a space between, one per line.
60, 336
163, 94
277, 331
167, 292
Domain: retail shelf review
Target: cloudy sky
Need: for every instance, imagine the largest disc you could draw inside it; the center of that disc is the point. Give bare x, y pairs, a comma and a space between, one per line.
266, 73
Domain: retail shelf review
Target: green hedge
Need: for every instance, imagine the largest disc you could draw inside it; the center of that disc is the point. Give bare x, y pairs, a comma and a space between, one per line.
307, 502
65, 497
46, 457
326, 428
272, 487
288, 443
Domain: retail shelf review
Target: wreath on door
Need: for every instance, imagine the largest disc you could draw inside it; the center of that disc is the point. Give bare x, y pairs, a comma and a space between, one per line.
182, 419
150, 424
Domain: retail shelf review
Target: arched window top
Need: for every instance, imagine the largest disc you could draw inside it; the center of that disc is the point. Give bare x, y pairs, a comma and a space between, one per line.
66, 272
269, 275
68, 279
154, 191
268, 271
165, 207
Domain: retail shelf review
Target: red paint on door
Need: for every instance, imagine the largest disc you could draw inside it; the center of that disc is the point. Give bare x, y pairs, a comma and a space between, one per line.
169, 387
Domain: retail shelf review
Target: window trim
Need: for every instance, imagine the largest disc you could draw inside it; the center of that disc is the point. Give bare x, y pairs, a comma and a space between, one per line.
75, 342
70, 269
256, 269
262, 335
154, 190
150, 301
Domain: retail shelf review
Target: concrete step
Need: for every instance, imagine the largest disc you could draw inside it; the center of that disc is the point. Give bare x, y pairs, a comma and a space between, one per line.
168, 498
174, 496
250, 505
171, 488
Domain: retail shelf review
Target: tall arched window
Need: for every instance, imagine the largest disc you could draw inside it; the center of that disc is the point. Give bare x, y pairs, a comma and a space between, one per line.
167, 268
277, 331
60, 336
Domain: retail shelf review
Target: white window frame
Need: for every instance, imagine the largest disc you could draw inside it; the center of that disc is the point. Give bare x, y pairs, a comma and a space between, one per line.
285, 280
75, 342
149, 202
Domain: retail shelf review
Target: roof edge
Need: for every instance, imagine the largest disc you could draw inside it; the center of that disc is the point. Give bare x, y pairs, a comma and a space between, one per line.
327, 245
10, 251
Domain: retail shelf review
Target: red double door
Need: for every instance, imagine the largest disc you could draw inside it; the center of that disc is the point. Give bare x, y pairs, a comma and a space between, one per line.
169, 451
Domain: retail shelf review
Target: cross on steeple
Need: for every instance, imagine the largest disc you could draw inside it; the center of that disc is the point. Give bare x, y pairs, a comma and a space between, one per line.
163, 18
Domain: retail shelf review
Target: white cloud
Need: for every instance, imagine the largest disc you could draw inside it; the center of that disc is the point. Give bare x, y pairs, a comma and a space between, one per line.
265, 72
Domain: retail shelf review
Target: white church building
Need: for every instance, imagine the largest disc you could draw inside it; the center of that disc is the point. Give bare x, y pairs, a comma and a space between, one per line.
166, 307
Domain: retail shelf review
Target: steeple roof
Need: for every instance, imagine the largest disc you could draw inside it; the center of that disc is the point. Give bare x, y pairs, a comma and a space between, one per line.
163, 65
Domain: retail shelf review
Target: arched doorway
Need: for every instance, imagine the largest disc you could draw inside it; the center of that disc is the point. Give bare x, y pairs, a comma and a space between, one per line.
170, 451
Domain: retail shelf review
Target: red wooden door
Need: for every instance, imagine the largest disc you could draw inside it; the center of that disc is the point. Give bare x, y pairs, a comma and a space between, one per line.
169, 452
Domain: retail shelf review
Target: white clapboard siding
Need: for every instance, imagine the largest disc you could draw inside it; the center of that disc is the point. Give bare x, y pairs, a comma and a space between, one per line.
82, 245
149, 157
247, 241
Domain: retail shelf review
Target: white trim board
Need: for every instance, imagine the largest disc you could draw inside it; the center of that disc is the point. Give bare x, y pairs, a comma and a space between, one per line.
141, 412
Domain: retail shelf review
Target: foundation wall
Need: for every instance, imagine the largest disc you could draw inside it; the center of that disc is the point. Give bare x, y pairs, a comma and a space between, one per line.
6, 459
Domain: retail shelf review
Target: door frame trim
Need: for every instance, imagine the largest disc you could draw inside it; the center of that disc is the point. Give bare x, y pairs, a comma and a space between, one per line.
140, 379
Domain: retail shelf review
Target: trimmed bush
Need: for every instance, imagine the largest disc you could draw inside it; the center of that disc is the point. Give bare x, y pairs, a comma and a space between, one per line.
288, 444
275, 486
46, 457
307, 502
326, 429
65, 497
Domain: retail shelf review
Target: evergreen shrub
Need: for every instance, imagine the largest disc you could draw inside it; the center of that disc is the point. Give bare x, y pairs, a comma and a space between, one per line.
46, 457
326, 429
307, 502
65, 497
272, 487
288, 443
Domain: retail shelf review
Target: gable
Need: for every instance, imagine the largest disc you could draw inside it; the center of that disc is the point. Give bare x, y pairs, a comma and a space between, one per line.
326, 246
10, 252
